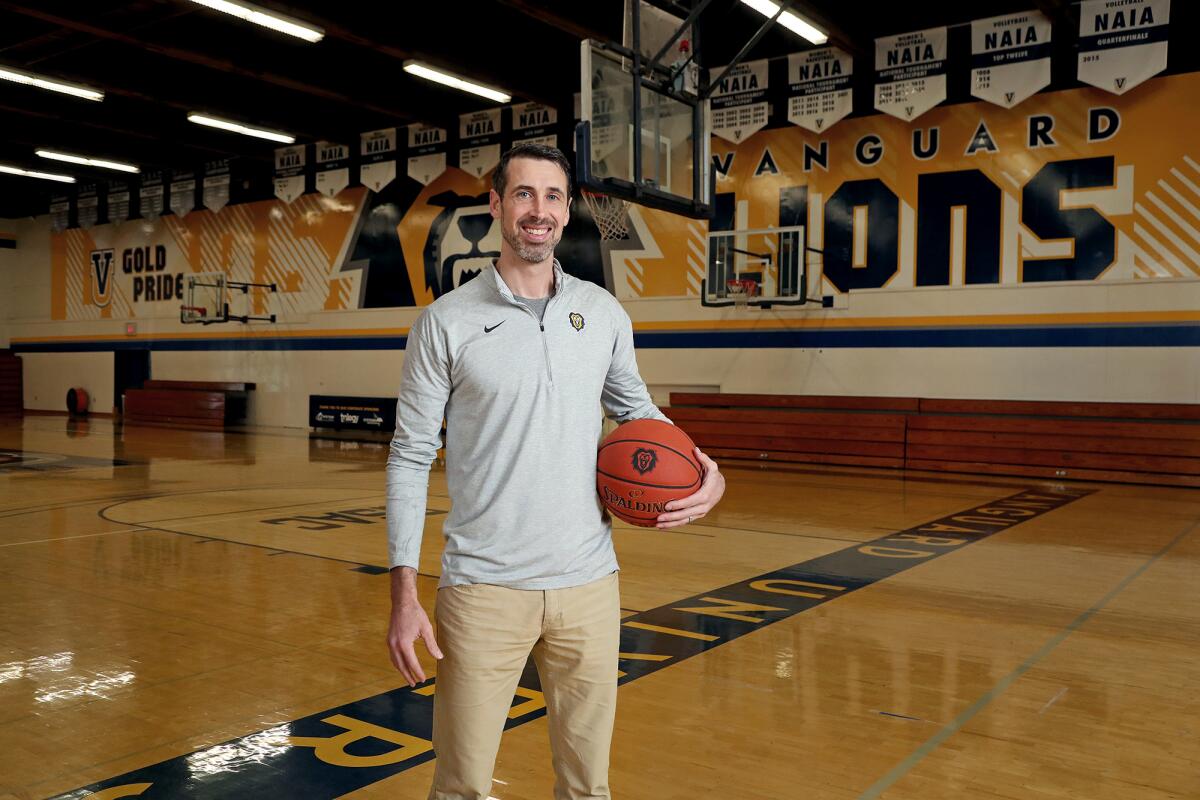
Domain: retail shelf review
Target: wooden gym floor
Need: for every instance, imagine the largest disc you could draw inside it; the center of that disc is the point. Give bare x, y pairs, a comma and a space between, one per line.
193, 614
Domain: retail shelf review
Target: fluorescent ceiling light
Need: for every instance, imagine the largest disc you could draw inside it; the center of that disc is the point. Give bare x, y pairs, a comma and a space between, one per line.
268, 19
49, 84
446, 79
237, 127
46, 176
796, 24
90, 162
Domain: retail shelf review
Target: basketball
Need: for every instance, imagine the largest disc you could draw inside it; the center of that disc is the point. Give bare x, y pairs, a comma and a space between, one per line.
642, 466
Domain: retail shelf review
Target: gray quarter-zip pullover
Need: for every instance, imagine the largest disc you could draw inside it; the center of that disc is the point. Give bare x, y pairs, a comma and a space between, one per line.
520, 399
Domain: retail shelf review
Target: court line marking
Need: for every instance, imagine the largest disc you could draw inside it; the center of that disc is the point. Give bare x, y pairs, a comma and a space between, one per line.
900, 770
68, 538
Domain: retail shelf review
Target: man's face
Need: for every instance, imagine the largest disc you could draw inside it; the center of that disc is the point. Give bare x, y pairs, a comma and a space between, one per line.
534, 209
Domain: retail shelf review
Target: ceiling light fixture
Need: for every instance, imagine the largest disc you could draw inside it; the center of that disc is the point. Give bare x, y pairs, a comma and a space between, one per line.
49, 84
446, 79
268, 19
46, 176
89, 162
793, 22
237, 127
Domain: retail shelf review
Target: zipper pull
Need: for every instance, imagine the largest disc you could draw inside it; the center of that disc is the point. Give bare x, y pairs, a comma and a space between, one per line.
542, 326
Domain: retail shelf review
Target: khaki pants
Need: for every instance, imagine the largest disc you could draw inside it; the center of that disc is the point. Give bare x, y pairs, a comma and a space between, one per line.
486, 634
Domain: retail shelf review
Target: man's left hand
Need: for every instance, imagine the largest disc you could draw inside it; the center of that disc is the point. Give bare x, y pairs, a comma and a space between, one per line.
693, 507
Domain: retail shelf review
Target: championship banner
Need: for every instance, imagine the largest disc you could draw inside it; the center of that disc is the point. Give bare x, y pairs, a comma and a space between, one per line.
289, 172
1010, 57
87, 206
910, 72
60, 213
427, 146
1122, 43
215, 191
150, 196
819, 84
333, 168
118, 202
377, 150
739, 103
535, 123
479, 142
183, 192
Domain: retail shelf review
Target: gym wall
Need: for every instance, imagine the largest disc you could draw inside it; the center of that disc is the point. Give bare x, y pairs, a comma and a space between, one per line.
1048, 252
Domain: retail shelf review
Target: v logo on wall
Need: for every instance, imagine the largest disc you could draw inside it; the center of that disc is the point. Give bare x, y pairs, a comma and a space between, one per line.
102, 263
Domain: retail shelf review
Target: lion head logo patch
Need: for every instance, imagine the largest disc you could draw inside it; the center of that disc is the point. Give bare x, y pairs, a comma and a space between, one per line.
577, 321
644, 460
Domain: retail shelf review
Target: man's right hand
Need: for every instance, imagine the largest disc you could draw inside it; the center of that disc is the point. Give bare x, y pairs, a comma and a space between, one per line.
409, 623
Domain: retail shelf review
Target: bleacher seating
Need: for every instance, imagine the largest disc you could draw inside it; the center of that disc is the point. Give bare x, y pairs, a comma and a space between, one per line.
203, 404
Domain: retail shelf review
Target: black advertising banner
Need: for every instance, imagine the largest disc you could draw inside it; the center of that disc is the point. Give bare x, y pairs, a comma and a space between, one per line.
1010, 57
377, 151
910, 72
88, 206
479, 142
535, 123
427, 153
215, 193
1122, 42
118, 202
333, 168
353, 413
150, 197
289, 172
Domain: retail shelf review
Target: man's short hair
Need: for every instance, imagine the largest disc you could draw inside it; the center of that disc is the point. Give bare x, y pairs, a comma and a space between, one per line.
530, 150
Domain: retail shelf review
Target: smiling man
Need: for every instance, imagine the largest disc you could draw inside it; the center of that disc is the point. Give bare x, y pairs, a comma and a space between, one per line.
517, 362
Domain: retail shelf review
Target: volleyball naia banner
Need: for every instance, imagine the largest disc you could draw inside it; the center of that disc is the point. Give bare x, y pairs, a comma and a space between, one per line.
1122, 43
427, 153
1010, 57
739, 103
378, 151
910, 72
333, 168
819, 88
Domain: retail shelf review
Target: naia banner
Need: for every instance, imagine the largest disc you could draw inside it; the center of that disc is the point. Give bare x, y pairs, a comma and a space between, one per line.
910, 72
1010, 57
1122, 42
819, 88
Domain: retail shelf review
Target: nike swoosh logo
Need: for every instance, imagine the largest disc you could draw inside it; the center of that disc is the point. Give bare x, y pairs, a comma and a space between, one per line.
486, 329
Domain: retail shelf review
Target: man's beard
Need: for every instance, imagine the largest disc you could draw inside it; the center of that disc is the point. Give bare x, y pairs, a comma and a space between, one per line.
533, 253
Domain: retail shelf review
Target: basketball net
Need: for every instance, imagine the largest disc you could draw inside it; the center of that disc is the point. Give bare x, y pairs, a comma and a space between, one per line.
610, 213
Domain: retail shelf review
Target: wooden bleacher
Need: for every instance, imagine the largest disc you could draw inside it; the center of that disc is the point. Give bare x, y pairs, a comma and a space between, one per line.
11, 392
1156, 443
201, 404
867, 431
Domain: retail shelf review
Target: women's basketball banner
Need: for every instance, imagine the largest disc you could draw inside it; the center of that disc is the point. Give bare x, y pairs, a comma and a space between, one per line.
910, 72
289, 172
378, 152
183, 192
87, 206
819, 85
1010, 57
150, 197
1122, 42
427, 148
333, 168
739, 103
479, 142
215, 188
118, 202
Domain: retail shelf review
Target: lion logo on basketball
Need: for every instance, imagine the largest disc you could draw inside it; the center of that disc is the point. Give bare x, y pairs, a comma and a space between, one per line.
644, 460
